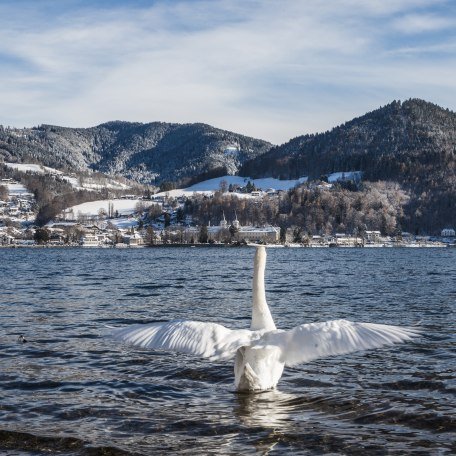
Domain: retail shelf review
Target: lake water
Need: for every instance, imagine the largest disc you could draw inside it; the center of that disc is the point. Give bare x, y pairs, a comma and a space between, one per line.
70, 390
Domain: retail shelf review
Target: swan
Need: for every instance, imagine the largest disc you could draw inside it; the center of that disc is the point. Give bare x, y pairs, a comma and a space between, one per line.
262, 352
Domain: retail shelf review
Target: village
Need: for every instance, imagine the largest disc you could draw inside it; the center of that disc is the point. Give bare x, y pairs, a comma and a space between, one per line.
127, 223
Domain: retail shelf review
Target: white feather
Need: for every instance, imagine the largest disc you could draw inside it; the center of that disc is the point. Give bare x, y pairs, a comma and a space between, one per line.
311, 341
209, 340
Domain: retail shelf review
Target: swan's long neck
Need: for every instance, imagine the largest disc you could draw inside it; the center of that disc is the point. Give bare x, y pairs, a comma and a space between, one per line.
261, 316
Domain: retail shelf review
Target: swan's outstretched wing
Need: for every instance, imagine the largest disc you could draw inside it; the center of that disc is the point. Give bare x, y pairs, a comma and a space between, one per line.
209, 340
337, 337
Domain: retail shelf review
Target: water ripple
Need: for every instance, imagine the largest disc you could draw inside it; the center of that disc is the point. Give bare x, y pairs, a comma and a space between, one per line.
71, 391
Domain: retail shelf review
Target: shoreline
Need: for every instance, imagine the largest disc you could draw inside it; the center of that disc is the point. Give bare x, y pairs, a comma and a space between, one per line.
177, 245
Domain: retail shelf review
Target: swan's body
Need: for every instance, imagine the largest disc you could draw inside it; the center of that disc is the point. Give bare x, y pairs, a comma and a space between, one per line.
262, 352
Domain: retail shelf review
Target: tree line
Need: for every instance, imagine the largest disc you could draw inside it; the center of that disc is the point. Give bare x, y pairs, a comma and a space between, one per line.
313, 209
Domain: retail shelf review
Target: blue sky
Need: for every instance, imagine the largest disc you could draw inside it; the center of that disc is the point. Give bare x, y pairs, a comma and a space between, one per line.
269, 69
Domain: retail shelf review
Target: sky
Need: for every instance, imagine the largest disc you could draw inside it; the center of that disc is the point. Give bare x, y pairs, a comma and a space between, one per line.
271, 69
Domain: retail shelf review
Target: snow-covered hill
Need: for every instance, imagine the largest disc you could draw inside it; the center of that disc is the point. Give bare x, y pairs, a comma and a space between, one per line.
79, 183
128, 206
263, 184
123, 207
147, 153
18, 190
208, 187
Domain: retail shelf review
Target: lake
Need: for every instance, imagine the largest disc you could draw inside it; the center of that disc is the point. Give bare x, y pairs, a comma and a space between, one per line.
70, 390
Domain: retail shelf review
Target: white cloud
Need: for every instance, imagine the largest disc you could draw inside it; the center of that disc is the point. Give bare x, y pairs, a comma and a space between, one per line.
264, 68
419, 23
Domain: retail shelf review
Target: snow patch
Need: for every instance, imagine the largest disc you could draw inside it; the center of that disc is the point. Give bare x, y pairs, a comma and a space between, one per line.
33, 168
347, 175
124, 223
263, 184
87, 183
123, 206
210, 186
17, 190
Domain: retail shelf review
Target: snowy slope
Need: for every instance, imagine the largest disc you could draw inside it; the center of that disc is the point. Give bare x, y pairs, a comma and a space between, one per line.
348, 175
210, 186
17, 190
263, 184
123, 206
178, 192
124, 223
87, 184
39, 169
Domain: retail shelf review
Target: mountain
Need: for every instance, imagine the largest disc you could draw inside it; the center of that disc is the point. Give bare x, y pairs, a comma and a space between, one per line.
406, 151
412, 143
148, 153
405, 141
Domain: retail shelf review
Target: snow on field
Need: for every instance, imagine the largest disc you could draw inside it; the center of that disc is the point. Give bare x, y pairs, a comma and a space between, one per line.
124, 223
122, 206
39, 169
208, 187
348, 175
87, 182
263, 184
178, 192
18, 190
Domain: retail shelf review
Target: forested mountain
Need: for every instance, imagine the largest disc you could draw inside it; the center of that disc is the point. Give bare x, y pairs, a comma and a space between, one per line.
411, 143
148, 153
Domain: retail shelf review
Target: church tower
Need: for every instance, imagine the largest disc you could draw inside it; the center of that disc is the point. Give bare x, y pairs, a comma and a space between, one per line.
223, 222
236, 223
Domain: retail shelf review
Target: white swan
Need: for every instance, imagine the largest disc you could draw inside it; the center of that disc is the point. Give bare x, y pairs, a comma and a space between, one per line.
262, 351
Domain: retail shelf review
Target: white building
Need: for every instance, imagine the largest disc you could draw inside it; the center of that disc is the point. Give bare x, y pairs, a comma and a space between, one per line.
342, 240
133, 240
95, 239
268, 234
373, 237
90, 240
448, 232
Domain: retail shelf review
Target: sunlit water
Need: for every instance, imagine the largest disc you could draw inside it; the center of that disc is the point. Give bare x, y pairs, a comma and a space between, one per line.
70, 390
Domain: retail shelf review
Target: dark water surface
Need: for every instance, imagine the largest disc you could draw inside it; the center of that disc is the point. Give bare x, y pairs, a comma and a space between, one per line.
70, 390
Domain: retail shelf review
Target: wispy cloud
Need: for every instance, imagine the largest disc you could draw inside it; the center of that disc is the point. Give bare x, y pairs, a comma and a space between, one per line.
421, 23
271, 69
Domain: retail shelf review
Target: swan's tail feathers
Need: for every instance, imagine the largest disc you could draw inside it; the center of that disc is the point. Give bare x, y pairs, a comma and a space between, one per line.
252, 378
208, 340
337, 337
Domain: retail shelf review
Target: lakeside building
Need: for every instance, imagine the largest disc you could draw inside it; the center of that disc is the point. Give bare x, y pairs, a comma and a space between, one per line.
267, 234
342, 240
133, 240
372, 237
234, 232
90, 240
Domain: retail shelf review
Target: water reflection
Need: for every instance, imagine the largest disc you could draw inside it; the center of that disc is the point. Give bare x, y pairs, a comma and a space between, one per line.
267, 409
